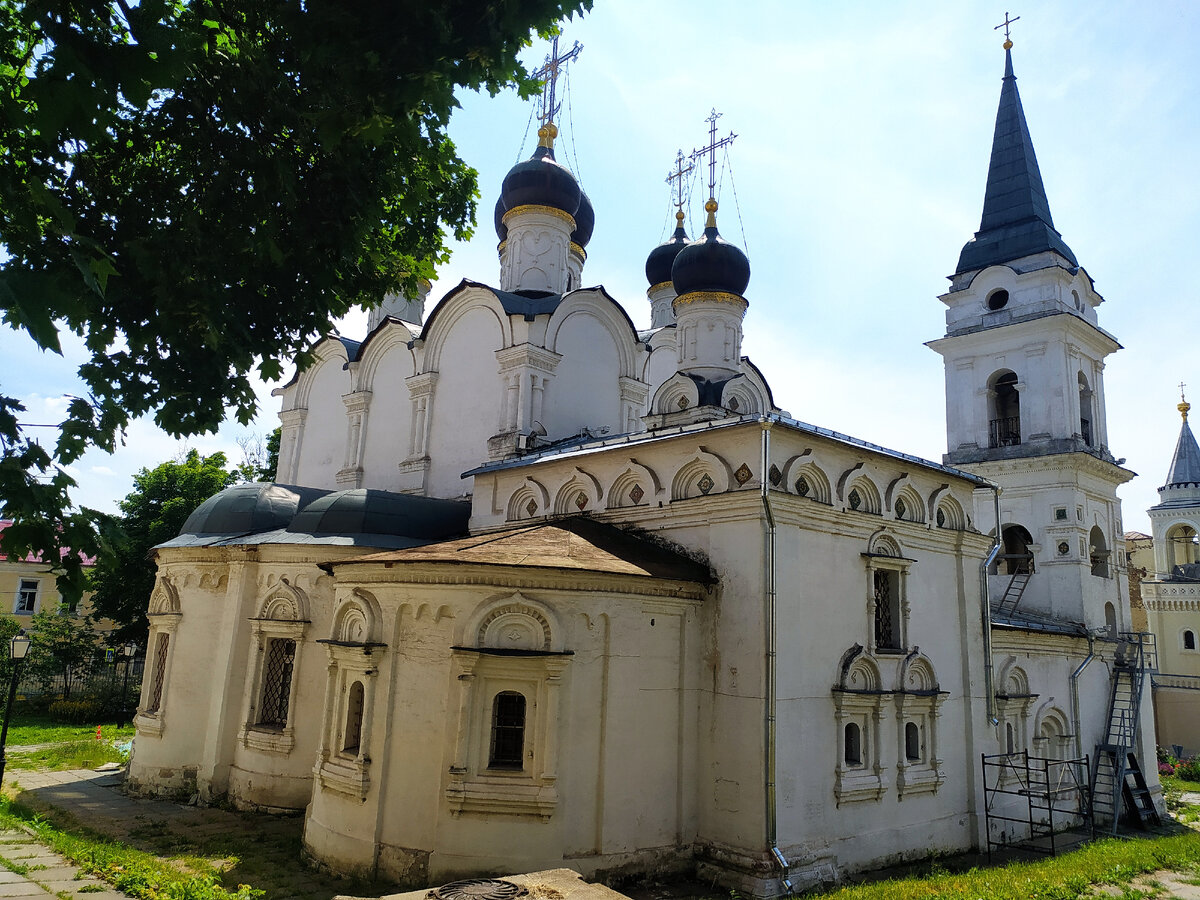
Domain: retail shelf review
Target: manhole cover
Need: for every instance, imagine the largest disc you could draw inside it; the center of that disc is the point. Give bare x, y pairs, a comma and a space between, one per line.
478, 889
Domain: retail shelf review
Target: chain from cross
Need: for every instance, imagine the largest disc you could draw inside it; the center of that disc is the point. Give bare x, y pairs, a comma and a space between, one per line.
711, 150
548, 75
1007, 21
675, 177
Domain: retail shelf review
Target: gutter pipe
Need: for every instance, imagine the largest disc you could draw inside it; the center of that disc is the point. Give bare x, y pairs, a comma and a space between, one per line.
769, 602
1075, 716
986, 610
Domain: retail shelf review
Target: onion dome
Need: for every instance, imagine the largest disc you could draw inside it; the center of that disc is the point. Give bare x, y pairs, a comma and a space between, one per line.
541, 181
710, 263
498, 219
585, 221
658, 263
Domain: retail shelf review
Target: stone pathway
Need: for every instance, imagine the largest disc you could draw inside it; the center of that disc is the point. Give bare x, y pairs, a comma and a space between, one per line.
270, 844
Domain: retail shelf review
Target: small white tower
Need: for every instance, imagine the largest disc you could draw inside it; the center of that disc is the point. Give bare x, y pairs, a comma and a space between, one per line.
1175, 521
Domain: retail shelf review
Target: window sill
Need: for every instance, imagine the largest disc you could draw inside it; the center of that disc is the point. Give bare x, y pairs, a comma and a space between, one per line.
148, 723
919, 778
268, 739
346, 776
858, 784
502, 795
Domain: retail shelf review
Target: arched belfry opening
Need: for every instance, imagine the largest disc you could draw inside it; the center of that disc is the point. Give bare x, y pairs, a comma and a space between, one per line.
1098, 552
1017, 552
1086, 412
1004, 413
1183, 546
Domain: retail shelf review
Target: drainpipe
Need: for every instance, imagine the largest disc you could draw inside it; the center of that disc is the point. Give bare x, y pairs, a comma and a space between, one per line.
986, 604
1076, 721
769, 607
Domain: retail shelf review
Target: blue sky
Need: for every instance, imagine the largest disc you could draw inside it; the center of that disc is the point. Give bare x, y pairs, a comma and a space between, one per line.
863, 138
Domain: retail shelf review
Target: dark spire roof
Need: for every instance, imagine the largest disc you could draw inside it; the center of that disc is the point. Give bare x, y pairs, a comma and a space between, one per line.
1016, 214
1185, 465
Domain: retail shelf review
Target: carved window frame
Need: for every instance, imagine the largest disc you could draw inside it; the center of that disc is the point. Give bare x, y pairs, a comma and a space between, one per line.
899, 567
254, 734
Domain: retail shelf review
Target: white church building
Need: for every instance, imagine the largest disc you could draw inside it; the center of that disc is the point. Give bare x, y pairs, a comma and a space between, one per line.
535, 588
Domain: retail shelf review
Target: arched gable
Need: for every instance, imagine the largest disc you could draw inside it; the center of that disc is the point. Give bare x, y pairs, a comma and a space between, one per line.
464, 298
903, 500
598, 305
638, 485
802, 475
705, 473
390, 340
284, 602
513, 622
917, 674
357, 619
328, 351
581, 492
529, 500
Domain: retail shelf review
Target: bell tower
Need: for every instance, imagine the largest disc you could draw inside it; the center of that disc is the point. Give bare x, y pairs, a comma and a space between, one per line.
1024, 359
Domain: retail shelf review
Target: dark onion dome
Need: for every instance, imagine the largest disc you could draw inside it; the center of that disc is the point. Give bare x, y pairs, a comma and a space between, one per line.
658, 263
710, 263
249, 509
585, 221
540, 180
498, 218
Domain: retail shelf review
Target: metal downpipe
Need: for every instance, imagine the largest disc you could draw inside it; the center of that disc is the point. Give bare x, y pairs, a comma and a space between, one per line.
769, 599
986, 609
1076, 718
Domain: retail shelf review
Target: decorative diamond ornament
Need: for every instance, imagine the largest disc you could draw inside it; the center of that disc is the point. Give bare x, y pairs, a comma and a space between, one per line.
636, 494
775, 475
531, 507
733, 404
802, 487
581, 500
900, 508
682, 403
706, 483
855, 499
941, 518
743, 474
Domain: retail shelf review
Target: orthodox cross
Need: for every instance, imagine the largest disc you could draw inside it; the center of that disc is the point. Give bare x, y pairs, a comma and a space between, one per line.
1007, 21
1181, 387
675, 178
711, 150
548, 75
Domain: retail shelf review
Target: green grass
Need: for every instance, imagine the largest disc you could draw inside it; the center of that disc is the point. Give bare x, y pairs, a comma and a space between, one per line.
27, 728
1180, 783
1067, 877
88, 753
134, 872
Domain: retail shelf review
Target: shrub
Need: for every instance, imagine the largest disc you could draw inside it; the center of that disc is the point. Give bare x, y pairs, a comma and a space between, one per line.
1188, 769
1165, 768
76, 712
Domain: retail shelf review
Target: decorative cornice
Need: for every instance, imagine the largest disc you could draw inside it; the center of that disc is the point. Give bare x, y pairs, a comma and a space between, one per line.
578, 250
528, 355
711, 297
536, 208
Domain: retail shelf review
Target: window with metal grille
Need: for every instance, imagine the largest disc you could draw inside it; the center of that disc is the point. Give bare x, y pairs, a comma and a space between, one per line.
887, 611
161, 645
508, 731
354, 719
277, 682
26, 596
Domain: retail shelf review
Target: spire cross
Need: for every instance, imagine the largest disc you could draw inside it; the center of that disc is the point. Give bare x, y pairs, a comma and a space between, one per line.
675, 178
1007, 21
1181, 396
548, 75
711, 149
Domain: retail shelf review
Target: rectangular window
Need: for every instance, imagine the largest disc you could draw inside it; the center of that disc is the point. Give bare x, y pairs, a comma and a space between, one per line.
887, 610
277, 682
160, 672
508, 731
26, 597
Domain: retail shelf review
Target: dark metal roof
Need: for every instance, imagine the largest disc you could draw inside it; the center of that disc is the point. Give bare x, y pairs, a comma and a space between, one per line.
1185, 464
367, 512
249, 508
1016, 218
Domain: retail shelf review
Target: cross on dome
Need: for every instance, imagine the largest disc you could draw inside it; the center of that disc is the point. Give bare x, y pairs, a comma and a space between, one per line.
675, 177
548, 75
1005, 24
711, 149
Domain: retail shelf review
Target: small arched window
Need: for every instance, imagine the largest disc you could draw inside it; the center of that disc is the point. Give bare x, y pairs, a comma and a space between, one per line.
853, 739
1189, 640
352, 737
997, 300
1010, 737
1085, 410
1110, 618
1099, 552
912, 742
1183, 546
508, 731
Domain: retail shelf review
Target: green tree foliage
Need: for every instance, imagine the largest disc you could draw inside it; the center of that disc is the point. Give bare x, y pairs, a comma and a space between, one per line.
62, 651
153, 512
198, 188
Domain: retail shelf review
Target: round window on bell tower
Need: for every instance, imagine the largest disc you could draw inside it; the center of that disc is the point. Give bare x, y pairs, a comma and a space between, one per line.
997, 300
